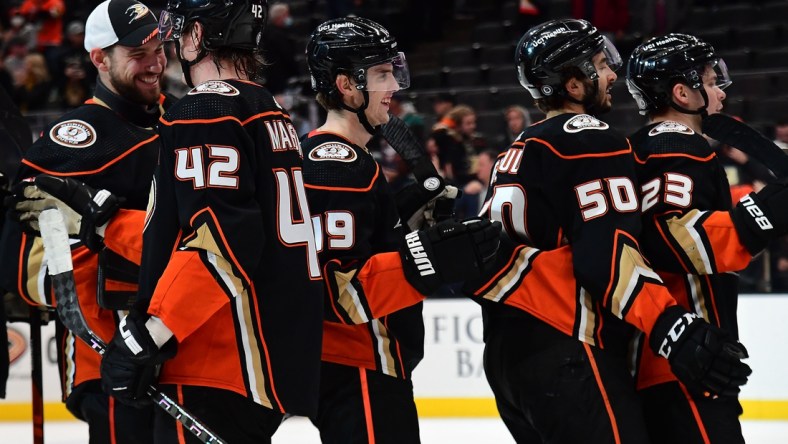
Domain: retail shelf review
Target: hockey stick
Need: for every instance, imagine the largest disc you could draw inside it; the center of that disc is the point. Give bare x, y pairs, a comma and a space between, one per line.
58, 254
730, 131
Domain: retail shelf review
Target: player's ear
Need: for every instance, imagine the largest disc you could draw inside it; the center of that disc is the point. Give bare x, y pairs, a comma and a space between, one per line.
575, 88
100, 59
680, 93
344, 85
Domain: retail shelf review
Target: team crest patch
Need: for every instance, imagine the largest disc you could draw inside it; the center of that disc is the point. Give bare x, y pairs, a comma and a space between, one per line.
584, 122
333, 151
671, 127
73, 134
214, 87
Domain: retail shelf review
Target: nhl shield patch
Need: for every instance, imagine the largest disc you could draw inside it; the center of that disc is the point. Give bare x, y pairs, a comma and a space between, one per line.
584, 122
671, 127
215, 87
333, 151
73, 134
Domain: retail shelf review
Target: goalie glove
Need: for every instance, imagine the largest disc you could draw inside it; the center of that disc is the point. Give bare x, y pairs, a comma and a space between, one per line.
129, 365
703, 357
96, 207
449, 252
26, 202
762, 216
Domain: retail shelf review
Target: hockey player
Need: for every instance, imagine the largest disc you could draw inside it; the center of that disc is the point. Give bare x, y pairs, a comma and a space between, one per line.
109, 142
366, 394
690, 232
572, 287
230, 283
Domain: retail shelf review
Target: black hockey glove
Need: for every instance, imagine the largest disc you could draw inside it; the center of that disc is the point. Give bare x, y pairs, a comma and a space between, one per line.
449, 252
703, 357
95, 206
427, 201
130, 364
762, 216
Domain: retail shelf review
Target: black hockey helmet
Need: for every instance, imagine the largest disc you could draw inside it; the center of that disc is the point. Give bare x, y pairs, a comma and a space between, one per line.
226, 23
351, 45
658, 64
547, 49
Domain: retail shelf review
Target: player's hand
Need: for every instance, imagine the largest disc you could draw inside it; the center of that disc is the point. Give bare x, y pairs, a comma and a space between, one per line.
95, 206
703, 357
130, 363
26, 202
762, 216
426, 201
449, 252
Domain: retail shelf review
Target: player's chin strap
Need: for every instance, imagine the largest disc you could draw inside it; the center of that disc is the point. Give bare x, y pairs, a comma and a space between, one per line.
187, 65
362, 115
703, 112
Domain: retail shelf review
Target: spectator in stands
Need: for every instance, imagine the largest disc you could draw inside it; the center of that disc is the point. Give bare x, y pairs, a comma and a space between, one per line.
405, 110
33, 88
14, 60
442, 103
20, 29
458, 143
280, 49
48, 15
75, 77
781, 133
474, 192
517, 120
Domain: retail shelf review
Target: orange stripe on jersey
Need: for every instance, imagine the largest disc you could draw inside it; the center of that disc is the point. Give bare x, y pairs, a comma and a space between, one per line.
112, 285
352, 190
111, 415
666, 238
696, 414
98, 170
667, 155
367, 406
332, 297
221, 119
608, 407
399, 351
20, 280
580, 156
179, 428
224, 239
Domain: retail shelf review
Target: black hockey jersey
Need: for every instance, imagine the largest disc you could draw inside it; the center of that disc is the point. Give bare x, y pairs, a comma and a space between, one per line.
109, 144
687, 232
229, 261
567, 186
359, 231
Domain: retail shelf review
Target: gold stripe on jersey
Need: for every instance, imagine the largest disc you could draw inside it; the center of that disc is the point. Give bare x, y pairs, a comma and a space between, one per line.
697, 295
632, 269
587, 315
683, 230
348, 297
510, 276
36, 273
253, 356
204, 240
388, 363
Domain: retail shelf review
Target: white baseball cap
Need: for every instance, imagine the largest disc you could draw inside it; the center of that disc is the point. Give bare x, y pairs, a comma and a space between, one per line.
121, 22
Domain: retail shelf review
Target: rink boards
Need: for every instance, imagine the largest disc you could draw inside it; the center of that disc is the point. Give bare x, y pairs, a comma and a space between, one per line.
450, 380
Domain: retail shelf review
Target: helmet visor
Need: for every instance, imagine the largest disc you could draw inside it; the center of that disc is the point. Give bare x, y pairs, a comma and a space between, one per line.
612, 57
720, 71
170, 26
390, 76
